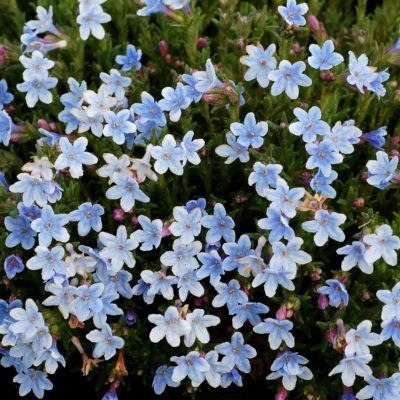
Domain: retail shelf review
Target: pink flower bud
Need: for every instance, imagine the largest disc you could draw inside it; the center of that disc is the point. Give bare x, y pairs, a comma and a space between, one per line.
394, 153
201, 42
289, 313
42, 123
240, 44
165, 231
331, 335
118, 214
163, 46
358, 202
198, 302
134, 221
3, 54
281, 394
364, 176
281, 313
168, 58
306, 177
296, 48
315, 276
366, 295
323, 302
314, 24
245, 289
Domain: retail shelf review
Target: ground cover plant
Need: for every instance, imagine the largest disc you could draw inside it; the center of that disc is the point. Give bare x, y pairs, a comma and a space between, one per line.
201, 195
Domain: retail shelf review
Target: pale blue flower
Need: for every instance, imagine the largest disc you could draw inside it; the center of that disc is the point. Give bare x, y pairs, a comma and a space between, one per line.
198, 326
290, 366
191, 147
260, 62
220, 225
191, 91
62, 297
188, 282
27, 321
264, 176
376, 137
284, 199
323, 155
36, 67
206, 80
278, 331
163, 378
142, 288
74, 156
170, 325
151, 7
116, 82
88, 217
174, 101
159, 283
192, 366
130, 60
250, 133
382, 171
149, 110
376, 85
118, 125
343, 136
168, 156
391, 330
355, 256
50, 261
233, 150
336, 291
361, 74
5, 97
237, 353
310, 124
6, 127
289, 255
229, 294
150, 235
358, 340
211, 266
21, 232
118, 248
33, 380
321, 184
288, 77
247, 312
87, 301
272, 278
177, 4
51, 226
13, 265
382, 244
293, 13
99, 102
231, 377
90, 19
324, 57
277, 223
380, 389
217, 368
353, 366
234, 252
126, 189
182, 257
186, 225
391, 299
38, 89
106, 343
115, 167
43, 22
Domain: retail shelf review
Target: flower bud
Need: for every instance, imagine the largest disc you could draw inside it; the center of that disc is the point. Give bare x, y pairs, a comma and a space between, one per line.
165, 231
281, 313
314, 24
201, 43
131, 317
331, 335
323, 302
118, 214
163, 47
281, 394
358, 202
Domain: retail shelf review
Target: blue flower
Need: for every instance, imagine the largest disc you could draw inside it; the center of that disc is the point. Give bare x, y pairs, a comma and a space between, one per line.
290, 366
38, 89
159, 283
233, 150
247, 312
130, 60
187, 225
288, 77
192, 366
325, 225
382, 171
88, 217
21, 232
90, 18
206, 80
116, 82
391, 299
382, 244
5, 97
188, 282
43, 22
31, 213
106, 343
324, 57
36, 66
229, 294
199, 324
240, 93
278, 331
237, 354
293, 13
49, 261
289, 256
322, 156
376, 137
359, 339
391, 330
150, 235
321, 184
260, 62
33, 380
168, 156
170, 325
231, 377
336, 291
376, 85
51, 226
217, 369
349, 367
5, 309
361, 74
62, 297
264, 176
284, 199
151, 7
118, 248
250, 133
277, 223
177, 4
13, 265
149, 110
191, 91
163, 378
87, 301
383, 388
355, 255
220, 225
114, 283
234, 252
191, 147
211, 266
310, 124
343, 136
174, 101
3, 181
6, 127
118, 125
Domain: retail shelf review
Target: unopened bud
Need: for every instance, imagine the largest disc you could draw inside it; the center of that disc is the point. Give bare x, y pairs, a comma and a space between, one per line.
201, 43
358, 202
